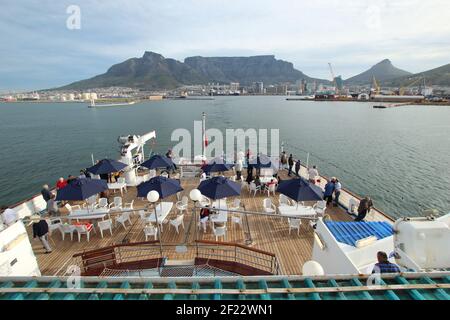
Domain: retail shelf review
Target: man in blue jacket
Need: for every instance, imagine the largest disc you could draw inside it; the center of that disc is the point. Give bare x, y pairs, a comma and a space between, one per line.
328, 193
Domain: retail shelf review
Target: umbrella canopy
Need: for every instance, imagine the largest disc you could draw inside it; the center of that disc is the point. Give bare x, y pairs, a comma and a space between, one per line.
217, 165
107, 166
81, 189
157, 161
219, 187
300, 190
164, 186
263, 161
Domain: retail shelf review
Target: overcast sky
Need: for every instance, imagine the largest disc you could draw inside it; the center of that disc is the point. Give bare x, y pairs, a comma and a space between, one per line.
37, 50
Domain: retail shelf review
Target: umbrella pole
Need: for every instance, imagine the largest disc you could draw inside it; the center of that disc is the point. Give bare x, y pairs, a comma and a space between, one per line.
159, 233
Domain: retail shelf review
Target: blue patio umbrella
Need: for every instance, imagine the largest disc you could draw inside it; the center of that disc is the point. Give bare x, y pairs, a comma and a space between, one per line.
300, 190
217, 165
107, 166
157, 161
164, 186
219, 187
81, 189
263, 161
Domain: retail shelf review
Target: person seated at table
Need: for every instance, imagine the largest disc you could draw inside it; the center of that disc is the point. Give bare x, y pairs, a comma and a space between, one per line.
61, 183
271, 182
70, 179
204, 216
257, 180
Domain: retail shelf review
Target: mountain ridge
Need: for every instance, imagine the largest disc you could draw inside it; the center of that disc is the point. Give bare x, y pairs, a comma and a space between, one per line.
383, 70
154, 71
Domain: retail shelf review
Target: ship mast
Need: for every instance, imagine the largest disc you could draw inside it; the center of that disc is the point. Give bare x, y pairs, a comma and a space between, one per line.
203, 134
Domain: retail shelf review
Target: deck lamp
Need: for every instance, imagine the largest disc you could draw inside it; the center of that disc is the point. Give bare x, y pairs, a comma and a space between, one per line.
153, 197
195, 195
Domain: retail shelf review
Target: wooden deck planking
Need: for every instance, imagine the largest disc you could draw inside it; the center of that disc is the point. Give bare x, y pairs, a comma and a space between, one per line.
267, 233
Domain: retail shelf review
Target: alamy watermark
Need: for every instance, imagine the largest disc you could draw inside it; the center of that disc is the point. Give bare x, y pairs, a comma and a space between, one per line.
231, 145
73, 21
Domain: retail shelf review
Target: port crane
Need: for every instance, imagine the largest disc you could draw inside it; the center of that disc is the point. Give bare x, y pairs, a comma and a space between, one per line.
376, 86
402, 89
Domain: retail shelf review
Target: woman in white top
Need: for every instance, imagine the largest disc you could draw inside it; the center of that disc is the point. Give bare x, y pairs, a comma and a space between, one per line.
313, 173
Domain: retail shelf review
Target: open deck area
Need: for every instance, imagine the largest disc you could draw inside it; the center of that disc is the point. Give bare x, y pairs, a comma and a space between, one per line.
266, 233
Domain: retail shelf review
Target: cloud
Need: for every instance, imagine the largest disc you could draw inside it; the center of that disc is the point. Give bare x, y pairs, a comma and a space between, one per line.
40, 51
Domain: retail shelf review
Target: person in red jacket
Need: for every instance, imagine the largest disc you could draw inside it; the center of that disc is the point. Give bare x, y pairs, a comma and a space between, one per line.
61, 183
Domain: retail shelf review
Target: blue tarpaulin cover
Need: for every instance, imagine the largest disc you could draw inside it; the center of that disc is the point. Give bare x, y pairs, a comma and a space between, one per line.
350, 232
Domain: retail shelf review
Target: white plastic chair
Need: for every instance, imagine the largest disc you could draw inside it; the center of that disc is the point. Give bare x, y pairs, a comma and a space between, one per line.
268, 206
294, 224
53, 224
66, 228
237, 218
123, 218
143, 216
284, 201
102, 203
177, 222
149, 231
236, 204
91, 202
254, 188
84, 229
183, 204
128, 205
116, 205
71, 208
270, 189
320, 207
352, 206
244, 185
220, 232
105, 225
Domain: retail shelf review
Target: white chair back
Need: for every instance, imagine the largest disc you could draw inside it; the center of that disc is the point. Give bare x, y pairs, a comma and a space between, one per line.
220, 231
322, 204
105, 224
117, 202
295, 223
121, 180
103, 202
267, 203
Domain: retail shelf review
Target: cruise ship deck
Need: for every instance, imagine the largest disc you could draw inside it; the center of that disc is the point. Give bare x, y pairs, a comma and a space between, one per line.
261, 239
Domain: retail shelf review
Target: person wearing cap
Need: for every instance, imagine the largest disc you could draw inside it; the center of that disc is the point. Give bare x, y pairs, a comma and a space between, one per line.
40, 230
45, 192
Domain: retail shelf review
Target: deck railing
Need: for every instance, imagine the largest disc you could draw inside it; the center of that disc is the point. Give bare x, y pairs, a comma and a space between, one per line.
150, 255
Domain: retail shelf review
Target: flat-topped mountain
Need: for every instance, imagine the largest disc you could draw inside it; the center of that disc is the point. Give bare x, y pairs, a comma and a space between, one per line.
153, 71
245, 70
383, 70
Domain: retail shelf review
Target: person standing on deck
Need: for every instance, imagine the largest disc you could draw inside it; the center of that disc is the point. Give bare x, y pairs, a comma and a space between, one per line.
239, 167
297, 167
46, 192
291, 164
283, 160
364, 208
383, 265
169, 155
313, 173
40, 230
52, 206
337, 191
328, 193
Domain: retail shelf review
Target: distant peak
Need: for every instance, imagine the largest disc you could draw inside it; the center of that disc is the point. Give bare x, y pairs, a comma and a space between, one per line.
385, 61
152, 55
